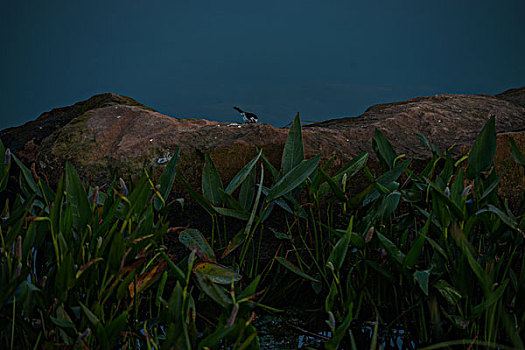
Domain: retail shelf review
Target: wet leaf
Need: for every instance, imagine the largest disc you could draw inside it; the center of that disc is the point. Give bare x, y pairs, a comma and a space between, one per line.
194, 240
216, 273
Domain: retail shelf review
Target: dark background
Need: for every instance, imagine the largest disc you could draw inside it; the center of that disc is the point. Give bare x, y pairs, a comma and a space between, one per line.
324, 59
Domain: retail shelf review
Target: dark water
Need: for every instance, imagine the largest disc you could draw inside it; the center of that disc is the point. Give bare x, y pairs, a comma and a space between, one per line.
198, 59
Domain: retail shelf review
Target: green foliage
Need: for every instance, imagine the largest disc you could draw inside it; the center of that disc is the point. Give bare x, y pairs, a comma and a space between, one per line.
436, 253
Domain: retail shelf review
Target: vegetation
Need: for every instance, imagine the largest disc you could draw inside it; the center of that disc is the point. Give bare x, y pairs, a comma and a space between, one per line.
436, 253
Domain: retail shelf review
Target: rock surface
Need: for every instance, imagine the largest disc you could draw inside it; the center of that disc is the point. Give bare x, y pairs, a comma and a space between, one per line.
109, 135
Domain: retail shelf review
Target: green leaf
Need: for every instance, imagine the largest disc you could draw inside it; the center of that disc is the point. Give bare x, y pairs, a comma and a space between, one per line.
294, 269
481, 155
421, 278
247, 191
293, 152
194, 240
234, 213
333, 185
516, 153
451, 294
242, 174
338, 254
217, 273
89, 314
413, 254
293, 178
216, 292
350, 169
492, 298
250, 289
25, 173
388, 180
509, 221
383, 149
166, 180
392, 250
203, 202
388, 204
211, 182
76, 198
235, 242
458, 212
435, 150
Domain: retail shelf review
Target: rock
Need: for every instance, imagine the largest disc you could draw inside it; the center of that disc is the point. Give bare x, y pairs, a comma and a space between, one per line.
110, 135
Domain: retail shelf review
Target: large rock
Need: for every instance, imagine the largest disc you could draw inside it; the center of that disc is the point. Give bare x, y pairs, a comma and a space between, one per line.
110, 135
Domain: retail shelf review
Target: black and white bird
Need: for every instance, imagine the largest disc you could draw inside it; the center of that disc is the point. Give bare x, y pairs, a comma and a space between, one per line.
247, 116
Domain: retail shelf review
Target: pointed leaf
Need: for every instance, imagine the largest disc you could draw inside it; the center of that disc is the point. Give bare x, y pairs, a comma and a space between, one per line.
421, 278
242, 174
481, 155
392, 250
211, 182
294, 269
166, 180
293, 152
516, 153
293, 178
383, 149
76, 198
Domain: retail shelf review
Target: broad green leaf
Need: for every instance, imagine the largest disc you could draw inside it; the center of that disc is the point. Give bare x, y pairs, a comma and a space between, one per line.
481, 155
89, 314
388, 204
216, 292
250, 289
392, 250
65, 276
280, 235
216, 273
421, 278
213, 340
276, 175
76, 198
383, 149
242, 174
211, 182
194, 240
333, 186
388, 180
293, 152
166, 180
458, 212
294, 269
25, 173
115, 328
230, 202
350, 169
247, 191
293, 178
516, 153
338, 254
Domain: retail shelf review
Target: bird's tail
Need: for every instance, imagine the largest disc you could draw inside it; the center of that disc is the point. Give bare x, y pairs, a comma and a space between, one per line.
238, 109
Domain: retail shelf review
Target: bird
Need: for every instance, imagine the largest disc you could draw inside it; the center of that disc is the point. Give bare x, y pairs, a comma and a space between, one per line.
247, 116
